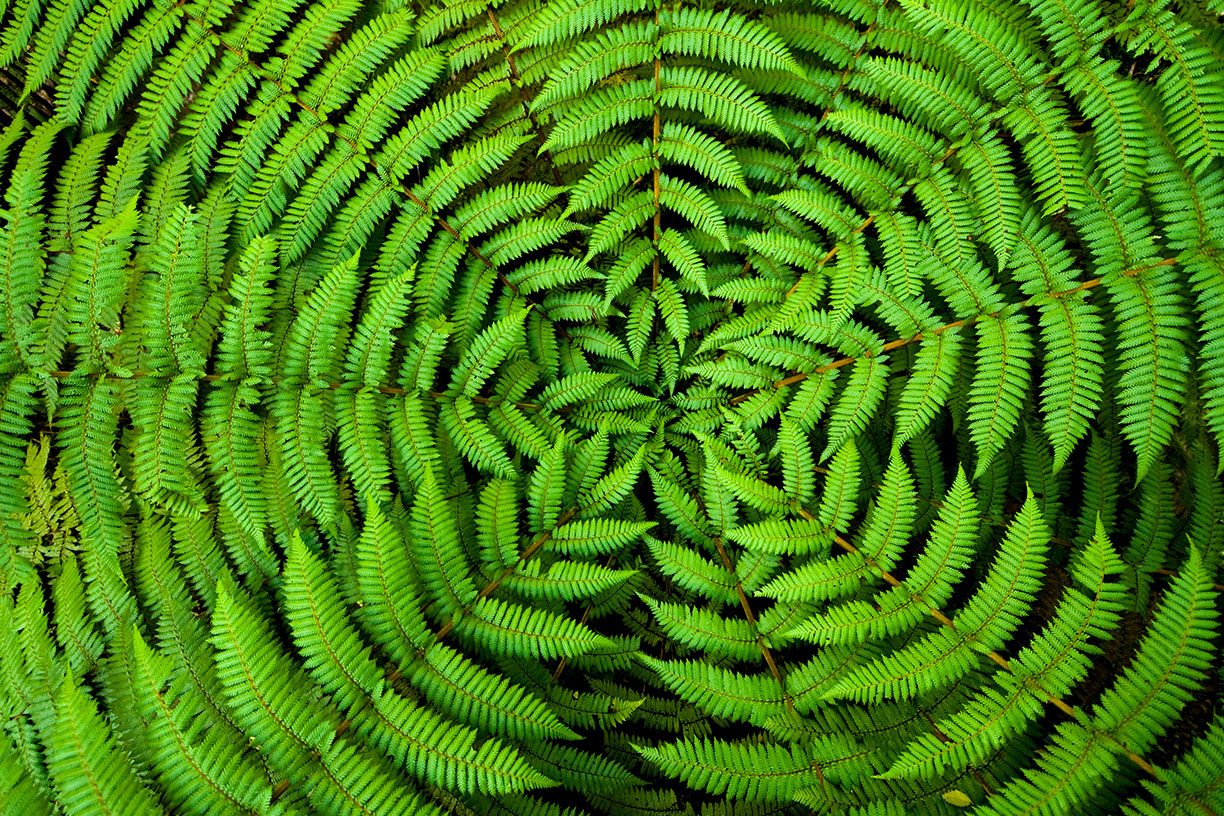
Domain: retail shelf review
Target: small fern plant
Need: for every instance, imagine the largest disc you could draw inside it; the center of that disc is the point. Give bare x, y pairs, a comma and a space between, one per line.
611, 407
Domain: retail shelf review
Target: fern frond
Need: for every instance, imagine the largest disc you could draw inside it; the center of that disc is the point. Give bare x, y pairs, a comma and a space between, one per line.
761, 772
263, 688
200, 767
526, 632
721, 692
484, 700
857, 402
330, 646
408, 408
1148, 307
727, 37
389, 583
705, 629
1172, 660
722, 99
90, 773
444, 753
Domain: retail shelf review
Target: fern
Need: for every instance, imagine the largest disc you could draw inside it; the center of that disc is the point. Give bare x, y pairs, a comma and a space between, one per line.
611, 407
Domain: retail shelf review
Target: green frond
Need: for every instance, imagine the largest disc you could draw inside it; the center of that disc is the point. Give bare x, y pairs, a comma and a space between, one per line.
485, 353
369, 355
88, 43
721, 98
305, 420
165, 457
841, 488
21, 794
180, 635
926, 586
609, 176
684, 144
679, 507
692, 571
437, 556
1004, 351
612, 486
595, 114
1114, 106
983, 624
201, 769
1172, 658
1189, 785
1066, 774
706, 630
1194, 109
1072, 388
388, 581
794, 449
579, 770
308, 38
782, 537
1152, 359
721, 692
483, 699
322, 327
97, 280
739, 770
932, 99
727, 37
691, 202
449, 758
1051, 664
1205, 281
17, 405
360, 421
526, 632
89, 412
90, 773
858, 401
1049, 150
264, 689
598, 58
25, 223
74, 629
332, 650
546, 491
473, 437
929, 385
569, 581
668, 298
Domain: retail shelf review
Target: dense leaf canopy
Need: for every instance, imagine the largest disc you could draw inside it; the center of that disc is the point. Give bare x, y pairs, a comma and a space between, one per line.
611, 407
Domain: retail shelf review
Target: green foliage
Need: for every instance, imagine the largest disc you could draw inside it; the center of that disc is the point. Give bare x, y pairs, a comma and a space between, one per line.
611, 407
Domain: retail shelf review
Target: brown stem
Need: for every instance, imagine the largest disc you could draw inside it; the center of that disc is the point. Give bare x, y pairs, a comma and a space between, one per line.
992, 655
279, 790
743, 599
526, 554
905, 341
